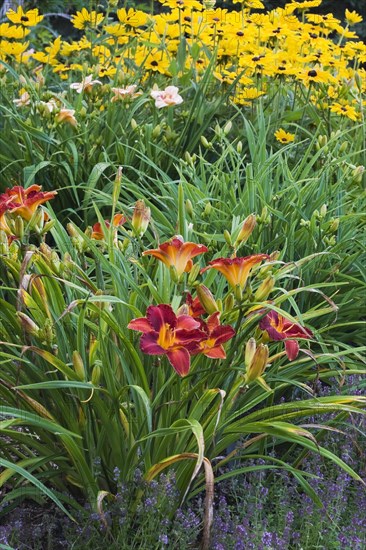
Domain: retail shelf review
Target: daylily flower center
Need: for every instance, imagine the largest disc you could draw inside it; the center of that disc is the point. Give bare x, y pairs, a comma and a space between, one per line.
208, 344
166, 336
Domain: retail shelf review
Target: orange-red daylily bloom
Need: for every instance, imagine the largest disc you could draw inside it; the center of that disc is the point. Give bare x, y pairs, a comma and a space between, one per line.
165, 333
24, 202
177, 253
98, 233
280, 328
236, 270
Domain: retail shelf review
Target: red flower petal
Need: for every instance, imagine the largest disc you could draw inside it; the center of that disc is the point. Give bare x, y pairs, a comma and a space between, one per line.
186, 322
141, 324
149, 345
216, 352
222, 334
160, 315
292, 349
179, 360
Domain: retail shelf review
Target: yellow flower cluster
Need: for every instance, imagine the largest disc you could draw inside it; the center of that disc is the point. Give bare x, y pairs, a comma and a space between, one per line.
250, 49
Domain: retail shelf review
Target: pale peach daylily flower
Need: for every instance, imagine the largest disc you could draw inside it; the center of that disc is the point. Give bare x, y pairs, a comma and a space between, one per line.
23, 100
85, 85
124, 93
167, 97
67, 115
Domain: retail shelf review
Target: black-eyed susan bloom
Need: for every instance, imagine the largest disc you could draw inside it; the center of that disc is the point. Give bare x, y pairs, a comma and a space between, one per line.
346, 110
352, 17
284, 137
84, 19
28, 18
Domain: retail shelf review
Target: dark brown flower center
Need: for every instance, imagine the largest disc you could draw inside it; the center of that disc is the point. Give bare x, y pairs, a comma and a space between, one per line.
312, 73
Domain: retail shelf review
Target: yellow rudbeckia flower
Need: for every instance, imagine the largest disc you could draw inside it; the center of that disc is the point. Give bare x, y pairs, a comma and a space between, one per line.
284, 137
84, 19
28, 18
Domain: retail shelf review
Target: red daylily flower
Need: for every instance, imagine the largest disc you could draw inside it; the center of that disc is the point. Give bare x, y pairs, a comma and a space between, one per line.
24, 202
236, 270
177, 253
280, 328
194, 306
165, 333
98, 233
216, 335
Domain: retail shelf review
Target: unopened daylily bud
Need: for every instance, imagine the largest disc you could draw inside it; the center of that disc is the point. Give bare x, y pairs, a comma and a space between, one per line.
78, 365
323, 210
47, 333
334, 224
117, 186
156, 131
207, 300
28, 325
218, 130
207, 210
330, 241
264, 289
173, 274
238, 293
344, 146
193, 274
47, 227
229, 303
227, 128
239, 147
358, 81
37, 283
227, 237
246, 229
250, 349
19, 227
205, 143
95, 377
258, 364
140, 218
37, 220
189, 208
4, 244
322, 140
72, 230
134, 124
357, 174
267, 268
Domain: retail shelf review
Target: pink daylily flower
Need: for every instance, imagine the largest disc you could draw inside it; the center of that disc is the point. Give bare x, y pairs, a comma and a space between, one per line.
167, 97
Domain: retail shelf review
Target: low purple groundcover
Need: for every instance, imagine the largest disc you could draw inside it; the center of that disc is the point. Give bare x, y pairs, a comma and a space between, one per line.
261, 510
